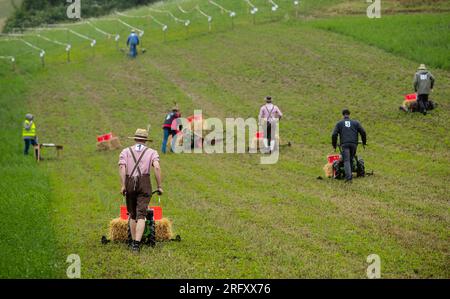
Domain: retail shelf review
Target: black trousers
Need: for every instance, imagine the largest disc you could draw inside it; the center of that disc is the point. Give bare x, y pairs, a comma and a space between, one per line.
422, 100
348, 154
268, 133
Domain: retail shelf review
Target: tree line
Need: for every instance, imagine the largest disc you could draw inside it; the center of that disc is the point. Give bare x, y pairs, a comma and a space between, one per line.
32, 13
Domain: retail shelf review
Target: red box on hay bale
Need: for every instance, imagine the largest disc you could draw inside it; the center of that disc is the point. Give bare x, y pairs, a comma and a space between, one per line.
411, 97
332, 158
107, 136
123, 212
104, 137
157, 213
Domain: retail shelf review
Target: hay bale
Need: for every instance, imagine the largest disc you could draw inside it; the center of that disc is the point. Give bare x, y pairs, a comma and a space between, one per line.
115, 143
103, 146
328, 169
163, 230
118, 230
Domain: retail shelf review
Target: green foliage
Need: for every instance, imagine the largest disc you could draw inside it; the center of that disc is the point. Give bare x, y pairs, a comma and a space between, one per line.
36, 12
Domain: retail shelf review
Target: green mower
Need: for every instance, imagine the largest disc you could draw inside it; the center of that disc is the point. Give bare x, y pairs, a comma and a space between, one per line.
357, 165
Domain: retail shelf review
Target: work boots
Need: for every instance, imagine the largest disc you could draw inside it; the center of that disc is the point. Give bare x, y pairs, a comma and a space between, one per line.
135, 246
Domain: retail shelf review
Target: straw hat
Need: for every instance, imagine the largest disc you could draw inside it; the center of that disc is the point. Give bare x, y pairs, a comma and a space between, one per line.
268, 99
141, 134
133, 31
422, 67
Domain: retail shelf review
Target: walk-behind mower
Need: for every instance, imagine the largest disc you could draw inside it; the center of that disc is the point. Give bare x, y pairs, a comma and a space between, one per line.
335, 167
156, 228
357, 165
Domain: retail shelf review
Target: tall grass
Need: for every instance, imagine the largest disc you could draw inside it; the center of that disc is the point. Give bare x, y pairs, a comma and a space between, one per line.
28, 245
424, 38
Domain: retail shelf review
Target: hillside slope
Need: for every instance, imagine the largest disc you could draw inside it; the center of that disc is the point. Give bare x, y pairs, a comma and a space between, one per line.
238, 218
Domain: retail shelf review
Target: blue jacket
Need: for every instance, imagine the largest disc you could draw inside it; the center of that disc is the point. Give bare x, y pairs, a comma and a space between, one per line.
133, 40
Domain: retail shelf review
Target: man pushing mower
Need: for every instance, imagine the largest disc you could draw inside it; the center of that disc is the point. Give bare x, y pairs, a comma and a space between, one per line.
348, 131
135, 163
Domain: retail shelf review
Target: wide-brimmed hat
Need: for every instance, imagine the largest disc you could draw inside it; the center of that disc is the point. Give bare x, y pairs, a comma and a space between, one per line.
269, 99
141, 134
133, 31
422, 67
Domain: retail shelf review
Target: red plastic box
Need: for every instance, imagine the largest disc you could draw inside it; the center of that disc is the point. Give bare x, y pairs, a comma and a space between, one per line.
332, 158
411, 97
157, 213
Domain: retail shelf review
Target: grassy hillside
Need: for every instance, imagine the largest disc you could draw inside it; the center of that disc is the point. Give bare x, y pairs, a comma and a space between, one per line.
237, 218
424, 38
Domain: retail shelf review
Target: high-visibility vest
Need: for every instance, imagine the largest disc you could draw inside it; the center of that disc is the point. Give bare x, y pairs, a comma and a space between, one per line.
31, 132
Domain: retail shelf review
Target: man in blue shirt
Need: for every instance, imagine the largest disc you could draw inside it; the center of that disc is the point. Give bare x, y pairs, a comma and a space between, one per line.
133, 42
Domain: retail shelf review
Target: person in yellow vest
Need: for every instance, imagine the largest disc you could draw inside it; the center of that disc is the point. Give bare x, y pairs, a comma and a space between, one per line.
29, 132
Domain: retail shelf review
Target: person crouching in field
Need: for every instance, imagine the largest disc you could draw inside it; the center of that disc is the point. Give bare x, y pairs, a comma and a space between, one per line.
135, 163
423, 85
169, 127
269, 115
133, 42
29, 133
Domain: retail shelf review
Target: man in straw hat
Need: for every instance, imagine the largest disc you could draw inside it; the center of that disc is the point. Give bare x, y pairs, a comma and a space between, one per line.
135, 163
269, 115
133, 42
423, 85
170, 126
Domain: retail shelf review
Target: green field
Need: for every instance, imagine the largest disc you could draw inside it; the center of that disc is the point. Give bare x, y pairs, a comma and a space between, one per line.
418, 37
237, 218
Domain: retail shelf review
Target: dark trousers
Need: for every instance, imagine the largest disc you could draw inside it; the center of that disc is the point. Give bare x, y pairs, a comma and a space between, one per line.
133, 51
422, 100
167, 132
27, 144
268, 132
348, 154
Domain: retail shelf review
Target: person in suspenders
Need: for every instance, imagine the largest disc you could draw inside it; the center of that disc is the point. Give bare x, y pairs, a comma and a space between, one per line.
269, 115
135, 163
